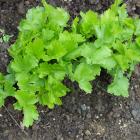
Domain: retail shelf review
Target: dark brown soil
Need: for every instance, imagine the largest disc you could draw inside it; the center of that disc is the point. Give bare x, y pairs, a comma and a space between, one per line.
98, 116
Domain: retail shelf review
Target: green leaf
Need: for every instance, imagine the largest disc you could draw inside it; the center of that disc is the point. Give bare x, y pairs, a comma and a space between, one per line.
1, 78
108, 63
2, 96
30, 114
75, 25
88, 23
27, 102
24, 64
55, 90
24, 98
36, 48
29, 82
17, 106
122, 61
61, 16
70, 41
56, 50
47, 34
73, 54
137, 26
119, 87
6, 38
85, 73
55, 70
6, 89
138, 41
116, 6
95, 55
34, 20
43, 98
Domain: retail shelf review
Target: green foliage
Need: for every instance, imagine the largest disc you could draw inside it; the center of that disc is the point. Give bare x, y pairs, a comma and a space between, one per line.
48, 50
4, 38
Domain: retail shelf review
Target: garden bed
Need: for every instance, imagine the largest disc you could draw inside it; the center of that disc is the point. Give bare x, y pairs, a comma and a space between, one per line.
96, 116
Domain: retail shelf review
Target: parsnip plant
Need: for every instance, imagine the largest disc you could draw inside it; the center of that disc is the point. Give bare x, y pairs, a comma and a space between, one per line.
48, 50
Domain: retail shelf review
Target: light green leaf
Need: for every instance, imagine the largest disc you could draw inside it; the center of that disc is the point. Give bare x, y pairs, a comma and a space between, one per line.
56, 50
36, 48
27, 101
24, 64
122, 61
75, 25
34, 20
70, 41
24, 98
119, 87
88, 23
61, 16
55, 70
95, 55
137, 26
85, 73
30, 114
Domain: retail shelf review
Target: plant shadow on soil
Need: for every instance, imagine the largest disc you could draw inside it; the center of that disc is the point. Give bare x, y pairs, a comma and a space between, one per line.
98, 116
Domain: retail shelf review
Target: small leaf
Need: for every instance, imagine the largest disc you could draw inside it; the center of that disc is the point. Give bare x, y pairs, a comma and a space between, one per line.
30, 114
36, 48
85, 73
119, 87
27, 101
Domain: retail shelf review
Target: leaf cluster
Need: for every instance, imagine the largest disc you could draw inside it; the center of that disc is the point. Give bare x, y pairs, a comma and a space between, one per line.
48, 49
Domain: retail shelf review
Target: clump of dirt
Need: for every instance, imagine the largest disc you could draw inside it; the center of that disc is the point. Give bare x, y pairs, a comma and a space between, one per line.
98, 116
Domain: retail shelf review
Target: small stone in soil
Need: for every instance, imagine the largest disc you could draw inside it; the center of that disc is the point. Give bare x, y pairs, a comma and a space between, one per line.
21, 8
87, 132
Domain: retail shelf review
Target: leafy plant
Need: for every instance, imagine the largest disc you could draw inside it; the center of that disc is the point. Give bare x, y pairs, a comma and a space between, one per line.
48, 49
4, 38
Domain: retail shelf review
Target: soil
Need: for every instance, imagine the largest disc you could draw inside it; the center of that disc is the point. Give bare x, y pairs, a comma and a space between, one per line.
98, 116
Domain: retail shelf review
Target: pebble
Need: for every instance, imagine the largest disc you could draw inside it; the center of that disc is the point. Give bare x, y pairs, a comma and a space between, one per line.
83, 107
59, 137
21, 8
136, 111
87, 132
89, 115
27, 2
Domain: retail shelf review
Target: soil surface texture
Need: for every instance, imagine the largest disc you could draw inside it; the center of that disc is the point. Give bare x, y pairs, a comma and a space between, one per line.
98, 116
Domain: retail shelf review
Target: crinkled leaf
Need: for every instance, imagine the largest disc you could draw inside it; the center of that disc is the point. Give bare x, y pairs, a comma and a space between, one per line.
56, 50
34, 20
55, 70
27, 102
30, 114
88, 23
84, 73
61, 16
24, 64
119, 87
95, 55
36, 48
